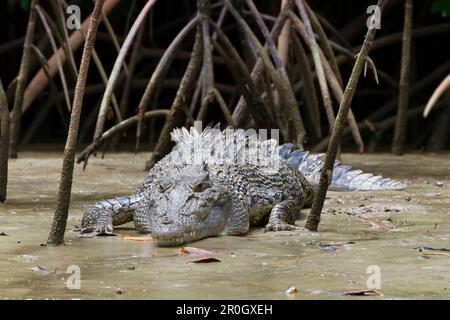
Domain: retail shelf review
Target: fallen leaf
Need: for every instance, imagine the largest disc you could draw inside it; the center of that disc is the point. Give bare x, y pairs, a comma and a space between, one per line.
131, 238
193, 251
369, 292
425, 254
204, 260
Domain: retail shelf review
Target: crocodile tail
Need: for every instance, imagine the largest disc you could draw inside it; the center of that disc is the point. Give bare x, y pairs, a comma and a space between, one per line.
344, 177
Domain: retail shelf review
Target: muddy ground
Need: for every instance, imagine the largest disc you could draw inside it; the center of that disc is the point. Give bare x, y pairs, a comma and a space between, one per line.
359, 229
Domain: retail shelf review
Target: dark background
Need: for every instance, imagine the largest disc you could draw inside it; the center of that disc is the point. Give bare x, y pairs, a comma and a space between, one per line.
168, 17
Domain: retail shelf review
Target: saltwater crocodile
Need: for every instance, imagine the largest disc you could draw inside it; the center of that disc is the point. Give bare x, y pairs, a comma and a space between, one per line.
221, 183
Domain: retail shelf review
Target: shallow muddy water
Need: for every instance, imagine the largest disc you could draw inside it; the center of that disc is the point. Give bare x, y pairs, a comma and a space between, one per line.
358, 230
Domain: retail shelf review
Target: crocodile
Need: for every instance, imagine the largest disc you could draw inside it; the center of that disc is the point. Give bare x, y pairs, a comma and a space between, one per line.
216, 183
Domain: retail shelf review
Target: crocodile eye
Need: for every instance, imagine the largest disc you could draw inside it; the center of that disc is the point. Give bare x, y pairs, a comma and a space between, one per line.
200, 186
164, 186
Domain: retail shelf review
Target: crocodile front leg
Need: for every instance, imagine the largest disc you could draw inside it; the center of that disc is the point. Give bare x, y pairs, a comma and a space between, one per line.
142, 216
283, 216
103, 215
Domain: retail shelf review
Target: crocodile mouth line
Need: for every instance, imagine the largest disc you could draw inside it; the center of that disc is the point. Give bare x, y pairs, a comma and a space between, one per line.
176, 240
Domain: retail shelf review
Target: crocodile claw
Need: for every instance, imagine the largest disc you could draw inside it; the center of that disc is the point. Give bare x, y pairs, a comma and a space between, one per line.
104, 229
279, 227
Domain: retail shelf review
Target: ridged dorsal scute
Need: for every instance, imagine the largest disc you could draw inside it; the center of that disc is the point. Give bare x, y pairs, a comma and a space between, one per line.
228, 146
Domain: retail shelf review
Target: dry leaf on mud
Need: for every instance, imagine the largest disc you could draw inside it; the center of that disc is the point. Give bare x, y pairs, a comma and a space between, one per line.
446, 254
140, 239
204, 260
369, 292
291, 290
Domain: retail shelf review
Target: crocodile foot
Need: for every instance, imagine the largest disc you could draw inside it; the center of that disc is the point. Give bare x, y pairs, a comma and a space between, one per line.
279, 227
98, 230
104, 229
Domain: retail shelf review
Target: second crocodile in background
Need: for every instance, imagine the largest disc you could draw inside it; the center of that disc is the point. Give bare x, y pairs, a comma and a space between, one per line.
221, 183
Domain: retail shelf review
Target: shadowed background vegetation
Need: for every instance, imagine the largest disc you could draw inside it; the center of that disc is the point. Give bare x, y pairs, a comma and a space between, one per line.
374, 106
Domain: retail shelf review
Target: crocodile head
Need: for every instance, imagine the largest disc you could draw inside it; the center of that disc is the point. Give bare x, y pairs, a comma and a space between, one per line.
187, 207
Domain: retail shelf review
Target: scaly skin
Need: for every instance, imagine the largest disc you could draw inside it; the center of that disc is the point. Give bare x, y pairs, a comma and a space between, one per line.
184, 199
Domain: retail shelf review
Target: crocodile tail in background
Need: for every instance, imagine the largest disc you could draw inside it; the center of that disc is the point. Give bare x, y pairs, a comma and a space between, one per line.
344, 177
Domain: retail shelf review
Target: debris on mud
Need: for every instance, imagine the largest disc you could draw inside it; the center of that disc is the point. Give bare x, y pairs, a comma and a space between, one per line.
42, 271
204, 260
139, 239
368, 292
291, 290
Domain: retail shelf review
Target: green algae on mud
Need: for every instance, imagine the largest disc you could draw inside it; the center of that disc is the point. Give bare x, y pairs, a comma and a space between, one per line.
358, 230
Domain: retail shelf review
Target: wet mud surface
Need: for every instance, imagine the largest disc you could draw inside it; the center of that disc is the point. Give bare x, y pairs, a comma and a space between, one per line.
359, 232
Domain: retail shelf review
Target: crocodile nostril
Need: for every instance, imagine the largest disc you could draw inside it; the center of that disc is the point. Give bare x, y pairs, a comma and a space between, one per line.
167, 221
